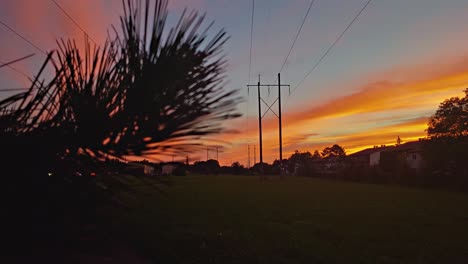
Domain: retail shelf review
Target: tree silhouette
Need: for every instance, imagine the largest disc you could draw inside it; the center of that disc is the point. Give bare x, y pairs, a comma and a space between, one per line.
398, 141
450, 119
300, 157
299, 162
333, 152
143, 92
174, 85
316, 155
447, 148
237, 168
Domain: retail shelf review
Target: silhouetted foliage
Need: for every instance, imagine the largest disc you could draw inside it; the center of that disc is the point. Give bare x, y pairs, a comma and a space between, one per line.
237, 168
316, 155
143, 93
398, 141
261, 169
333, 152
180, 170
174, 85
450, 119
447, 153
300, 157
446, 150
206, 167
298, 161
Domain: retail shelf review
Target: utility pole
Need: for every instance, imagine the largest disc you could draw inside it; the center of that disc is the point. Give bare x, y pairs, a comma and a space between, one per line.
269, 108
207, 149
217, 154
255, 154
260, 122
248, 156
279, 123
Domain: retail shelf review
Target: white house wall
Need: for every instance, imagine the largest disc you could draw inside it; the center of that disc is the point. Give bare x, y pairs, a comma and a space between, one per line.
374, 159
168, 169
414, 160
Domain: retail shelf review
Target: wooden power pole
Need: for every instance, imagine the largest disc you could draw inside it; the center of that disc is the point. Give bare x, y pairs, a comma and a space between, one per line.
269, 108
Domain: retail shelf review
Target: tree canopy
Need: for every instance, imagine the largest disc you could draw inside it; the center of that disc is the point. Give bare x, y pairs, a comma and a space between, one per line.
300, 157
333, 151
450, 119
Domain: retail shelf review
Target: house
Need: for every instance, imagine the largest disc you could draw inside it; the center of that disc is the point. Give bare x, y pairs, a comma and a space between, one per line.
389, 157
374, 158
366, 157
408, 154
168, 169
148, 170
412, 153
140, 169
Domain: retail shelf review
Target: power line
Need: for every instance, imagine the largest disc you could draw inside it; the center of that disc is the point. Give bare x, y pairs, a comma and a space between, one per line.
24, 38
3, 64
8, 64
73, 20
13, 89
332, 46
16, 70
250, 62
297, 35
267, 35
251, 38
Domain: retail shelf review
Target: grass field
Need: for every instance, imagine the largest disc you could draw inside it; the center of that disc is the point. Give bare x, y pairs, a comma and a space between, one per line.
237, 219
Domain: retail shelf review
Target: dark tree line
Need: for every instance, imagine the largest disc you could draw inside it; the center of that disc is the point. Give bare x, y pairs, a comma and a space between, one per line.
299, 163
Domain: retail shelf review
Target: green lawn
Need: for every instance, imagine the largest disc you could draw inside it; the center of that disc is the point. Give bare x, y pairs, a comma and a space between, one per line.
237, 219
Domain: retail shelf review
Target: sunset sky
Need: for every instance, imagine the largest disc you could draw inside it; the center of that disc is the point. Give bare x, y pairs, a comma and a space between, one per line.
384, 78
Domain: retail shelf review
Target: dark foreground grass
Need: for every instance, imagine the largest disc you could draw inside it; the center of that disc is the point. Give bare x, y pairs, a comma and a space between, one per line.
236, 219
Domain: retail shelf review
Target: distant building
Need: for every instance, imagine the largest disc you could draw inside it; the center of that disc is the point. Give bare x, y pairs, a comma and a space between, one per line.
412, 152
367, 157
140, 169
374, 158
408, 154
149, 170
168, 169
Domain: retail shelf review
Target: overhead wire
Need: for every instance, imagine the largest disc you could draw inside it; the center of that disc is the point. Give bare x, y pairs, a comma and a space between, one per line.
328, 50
13, 89
18, 71
250, 62
73, 20
251, 39
297, 35
332, 46
22, 37
311, 4
8, 63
